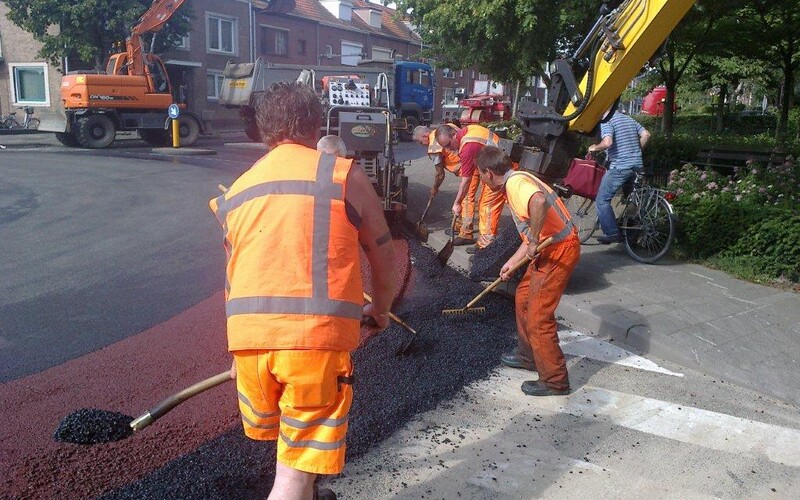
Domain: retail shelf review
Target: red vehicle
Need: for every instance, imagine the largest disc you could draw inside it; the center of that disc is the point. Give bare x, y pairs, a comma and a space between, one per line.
653, 103
484, 108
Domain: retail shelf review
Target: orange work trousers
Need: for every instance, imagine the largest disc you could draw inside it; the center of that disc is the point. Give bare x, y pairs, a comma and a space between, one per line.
536, 300
490, 207
468, 207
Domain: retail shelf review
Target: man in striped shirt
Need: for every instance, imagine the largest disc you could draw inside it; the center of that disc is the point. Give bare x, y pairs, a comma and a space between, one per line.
623, 139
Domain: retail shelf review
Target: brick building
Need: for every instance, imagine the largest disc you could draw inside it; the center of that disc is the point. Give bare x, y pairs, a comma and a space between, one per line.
305, 32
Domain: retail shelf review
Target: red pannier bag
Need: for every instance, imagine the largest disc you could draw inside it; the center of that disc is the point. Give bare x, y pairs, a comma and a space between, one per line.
584, 177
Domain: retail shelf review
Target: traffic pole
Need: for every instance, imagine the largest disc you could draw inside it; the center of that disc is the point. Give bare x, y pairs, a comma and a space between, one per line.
176, 133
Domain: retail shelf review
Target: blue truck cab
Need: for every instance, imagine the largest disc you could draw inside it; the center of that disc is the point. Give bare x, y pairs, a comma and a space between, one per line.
414, 90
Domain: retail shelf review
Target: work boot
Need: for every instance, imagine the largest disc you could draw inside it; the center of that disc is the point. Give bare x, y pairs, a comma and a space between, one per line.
537, 388
607, 240
459, 241
324, 494
473, 249
514, 360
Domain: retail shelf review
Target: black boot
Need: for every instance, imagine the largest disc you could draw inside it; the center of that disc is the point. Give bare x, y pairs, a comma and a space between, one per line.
323, 494
515, 360
536, 388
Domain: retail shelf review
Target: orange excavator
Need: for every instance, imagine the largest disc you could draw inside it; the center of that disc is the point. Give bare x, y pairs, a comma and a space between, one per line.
133, 93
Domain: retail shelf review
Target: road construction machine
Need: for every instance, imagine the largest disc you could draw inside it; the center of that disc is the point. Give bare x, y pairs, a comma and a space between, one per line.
133, 93
624, 37
364, 105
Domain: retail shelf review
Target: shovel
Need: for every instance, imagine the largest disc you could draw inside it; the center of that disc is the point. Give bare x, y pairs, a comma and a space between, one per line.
444, 254
419, 228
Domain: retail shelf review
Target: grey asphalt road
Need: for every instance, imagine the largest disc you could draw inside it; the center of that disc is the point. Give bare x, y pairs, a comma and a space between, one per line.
100, 245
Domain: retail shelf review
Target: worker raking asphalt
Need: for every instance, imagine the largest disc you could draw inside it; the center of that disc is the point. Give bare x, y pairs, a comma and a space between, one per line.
390, 390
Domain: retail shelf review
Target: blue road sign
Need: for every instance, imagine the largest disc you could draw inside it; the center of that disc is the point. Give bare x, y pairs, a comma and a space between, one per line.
173, 111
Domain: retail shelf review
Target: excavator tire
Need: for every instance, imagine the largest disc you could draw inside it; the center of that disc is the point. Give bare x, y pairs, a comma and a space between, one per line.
67, 139
189, 129
96, 131
153, 136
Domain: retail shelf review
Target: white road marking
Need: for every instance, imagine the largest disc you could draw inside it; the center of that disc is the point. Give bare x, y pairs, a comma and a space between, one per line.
686, 424
578, 344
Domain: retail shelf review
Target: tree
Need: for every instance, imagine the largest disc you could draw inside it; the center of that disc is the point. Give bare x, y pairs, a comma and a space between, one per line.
88, 28
507, 39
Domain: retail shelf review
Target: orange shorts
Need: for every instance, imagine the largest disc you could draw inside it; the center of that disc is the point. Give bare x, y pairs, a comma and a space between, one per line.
299, 398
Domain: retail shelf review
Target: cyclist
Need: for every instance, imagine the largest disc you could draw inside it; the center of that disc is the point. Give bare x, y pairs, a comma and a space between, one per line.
623, 139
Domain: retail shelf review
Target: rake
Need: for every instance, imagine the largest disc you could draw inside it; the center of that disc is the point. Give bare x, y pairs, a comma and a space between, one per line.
469, 309
403, 348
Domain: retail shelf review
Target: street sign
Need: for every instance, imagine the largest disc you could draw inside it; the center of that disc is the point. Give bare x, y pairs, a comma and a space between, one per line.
173, 111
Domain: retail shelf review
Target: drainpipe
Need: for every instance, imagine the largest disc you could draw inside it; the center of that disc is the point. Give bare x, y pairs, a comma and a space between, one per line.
252, 31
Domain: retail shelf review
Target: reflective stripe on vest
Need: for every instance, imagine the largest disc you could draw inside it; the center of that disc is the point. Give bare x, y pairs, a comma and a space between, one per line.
551, 198
479, 134
311, 297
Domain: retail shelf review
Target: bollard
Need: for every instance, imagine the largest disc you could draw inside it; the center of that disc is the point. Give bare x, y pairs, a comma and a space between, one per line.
176, 133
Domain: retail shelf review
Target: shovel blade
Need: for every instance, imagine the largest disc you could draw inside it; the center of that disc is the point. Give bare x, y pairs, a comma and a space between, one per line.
444, 254
422, 232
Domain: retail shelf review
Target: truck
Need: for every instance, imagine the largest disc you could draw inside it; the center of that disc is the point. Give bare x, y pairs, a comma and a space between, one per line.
411, 87
363, 105
133, 93
485, 104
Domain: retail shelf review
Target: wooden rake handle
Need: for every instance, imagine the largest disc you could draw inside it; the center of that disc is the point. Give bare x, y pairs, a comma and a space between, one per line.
393, 316
541, 246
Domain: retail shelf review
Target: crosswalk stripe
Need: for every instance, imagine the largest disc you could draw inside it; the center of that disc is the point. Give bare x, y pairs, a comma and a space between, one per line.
576, 343
686, 424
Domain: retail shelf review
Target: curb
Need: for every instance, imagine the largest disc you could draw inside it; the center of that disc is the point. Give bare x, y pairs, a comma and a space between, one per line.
183, 151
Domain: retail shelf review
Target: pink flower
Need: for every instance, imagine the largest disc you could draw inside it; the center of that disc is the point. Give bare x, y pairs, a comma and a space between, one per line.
711, 186
703, 176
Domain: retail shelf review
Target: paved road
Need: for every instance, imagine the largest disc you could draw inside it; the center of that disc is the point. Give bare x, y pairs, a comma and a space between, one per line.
99, 246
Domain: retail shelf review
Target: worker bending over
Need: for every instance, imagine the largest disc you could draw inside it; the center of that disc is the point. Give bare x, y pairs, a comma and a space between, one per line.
294, 225
468, 141
539, 214
443, 159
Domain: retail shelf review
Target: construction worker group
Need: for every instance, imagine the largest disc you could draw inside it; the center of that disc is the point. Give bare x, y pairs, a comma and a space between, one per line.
295, 306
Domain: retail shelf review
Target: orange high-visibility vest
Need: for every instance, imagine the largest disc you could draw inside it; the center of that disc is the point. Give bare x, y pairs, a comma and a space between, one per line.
293, 277
450, 159
520, 186
479, 134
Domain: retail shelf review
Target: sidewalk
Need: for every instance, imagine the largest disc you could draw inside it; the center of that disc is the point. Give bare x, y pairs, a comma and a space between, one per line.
742, 333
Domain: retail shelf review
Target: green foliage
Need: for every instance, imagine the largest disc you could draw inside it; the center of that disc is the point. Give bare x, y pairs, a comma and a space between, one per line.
772, 247
88, 28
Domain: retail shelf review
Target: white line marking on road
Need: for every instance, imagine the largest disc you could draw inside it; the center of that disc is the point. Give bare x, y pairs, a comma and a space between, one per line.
686, 424
578, 344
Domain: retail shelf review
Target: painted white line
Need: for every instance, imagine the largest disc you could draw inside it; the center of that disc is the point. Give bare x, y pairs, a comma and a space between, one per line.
576, 343
685, 424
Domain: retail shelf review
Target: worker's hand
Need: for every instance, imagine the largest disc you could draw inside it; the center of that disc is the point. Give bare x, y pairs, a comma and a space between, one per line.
457, 209
505, 271
592, 148
233, 370
381, 320
434, 191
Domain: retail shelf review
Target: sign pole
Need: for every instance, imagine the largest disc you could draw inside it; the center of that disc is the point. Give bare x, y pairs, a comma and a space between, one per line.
174, 111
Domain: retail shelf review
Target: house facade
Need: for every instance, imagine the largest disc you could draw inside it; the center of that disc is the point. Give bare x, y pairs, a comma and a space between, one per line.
303, 32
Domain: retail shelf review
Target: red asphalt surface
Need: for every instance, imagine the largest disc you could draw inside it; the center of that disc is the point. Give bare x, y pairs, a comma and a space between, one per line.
129, 377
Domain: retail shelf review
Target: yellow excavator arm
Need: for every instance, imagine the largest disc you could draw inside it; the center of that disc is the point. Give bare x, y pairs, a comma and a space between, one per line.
624, 37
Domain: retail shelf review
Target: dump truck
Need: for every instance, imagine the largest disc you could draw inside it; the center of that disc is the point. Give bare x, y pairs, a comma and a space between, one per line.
410, 87
133, 93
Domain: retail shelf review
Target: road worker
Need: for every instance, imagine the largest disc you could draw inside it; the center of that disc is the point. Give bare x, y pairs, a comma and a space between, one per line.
332, 145
294, 226
468, 141
443, 159
539, 214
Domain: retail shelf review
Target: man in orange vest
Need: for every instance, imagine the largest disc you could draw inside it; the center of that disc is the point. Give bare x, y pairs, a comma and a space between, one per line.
443, 159
294, 226
468, 141
539, 214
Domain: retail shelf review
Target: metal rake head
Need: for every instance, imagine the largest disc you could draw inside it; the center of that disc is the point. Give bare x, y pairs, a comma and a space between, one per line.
464, 311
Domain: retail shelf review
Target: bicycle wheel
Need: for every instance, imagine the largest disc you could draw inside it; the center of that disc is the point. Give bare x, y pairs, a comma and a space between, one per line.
33, 124
649, 229
584, 215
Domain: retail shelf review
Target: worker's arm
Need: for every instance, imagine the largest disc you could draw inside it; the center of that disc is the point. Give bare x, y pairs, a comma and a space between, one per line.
537, 208
376, 240
606, 143
644, 136
467, 155
463, 185
437, 181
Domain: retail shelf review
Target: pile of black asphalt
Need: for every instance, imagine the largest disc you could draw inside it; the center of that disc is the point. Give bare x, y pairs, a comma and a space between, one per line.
449, 353
487, 262
93, 426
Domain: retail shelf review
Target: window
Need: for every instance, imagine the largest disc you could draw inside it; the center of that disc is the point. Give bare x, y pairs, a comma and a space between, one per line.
448, 73
213, 86
29, 83
183, 44
273, 41
382, 54
419, 77
461, 73
301, 47
351, 53
221, 34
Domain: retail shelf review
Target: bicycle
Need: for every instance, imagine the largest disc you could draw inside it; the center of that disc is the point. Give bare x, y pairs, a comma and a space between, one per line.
645, 217
10, 122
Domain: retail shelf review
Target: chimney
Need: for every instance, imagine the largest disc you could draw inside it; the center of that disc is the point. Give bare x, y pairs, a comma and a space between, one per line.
370, 16
341, 9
